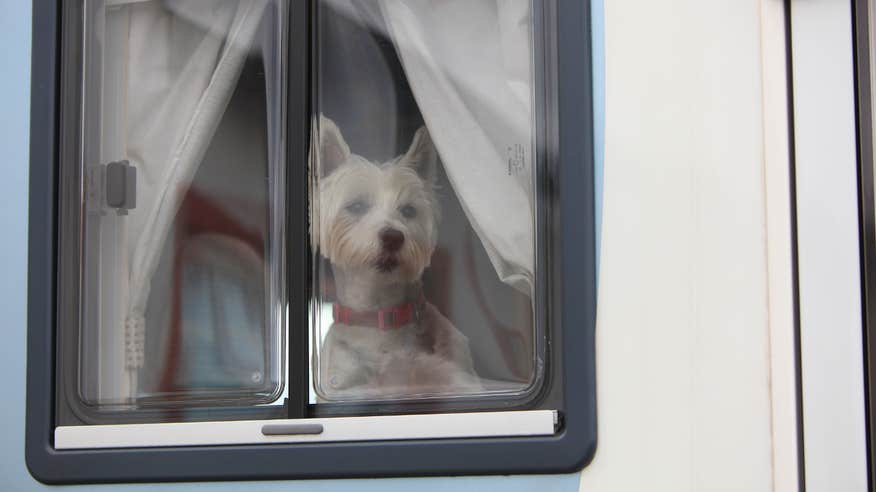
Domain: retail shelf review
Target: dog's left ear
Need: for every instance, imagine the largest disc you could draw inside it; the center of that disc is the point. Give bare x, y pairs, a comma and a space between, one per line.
333, 149
422, 156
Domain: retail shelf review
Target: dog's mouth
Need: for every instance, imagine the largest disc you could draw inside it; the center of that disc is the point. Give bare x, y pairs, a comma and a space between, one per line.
386, 263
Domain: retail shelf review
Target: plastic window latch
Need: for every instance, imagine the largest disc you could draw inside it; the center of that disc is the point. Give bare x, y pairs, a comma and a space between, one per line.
120, 180
291, 429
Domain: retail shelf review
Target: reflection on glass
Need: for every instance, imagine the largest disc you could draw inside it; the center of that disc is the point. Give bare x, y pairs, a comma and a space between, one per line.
423, 212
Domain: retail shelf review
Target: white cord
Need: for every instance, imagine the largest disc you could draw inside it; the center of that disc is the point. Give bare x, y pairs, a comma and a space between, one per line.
135, 336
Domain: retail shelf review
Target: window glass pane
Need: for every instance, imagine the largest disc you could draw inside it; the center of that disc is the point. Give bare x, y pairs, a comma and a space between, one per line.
424, 202
182, 199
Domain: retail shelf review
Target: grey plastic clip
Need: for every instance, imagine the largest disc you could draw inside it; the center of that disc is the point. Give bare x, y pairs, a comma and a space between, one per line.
291, 429
121, 186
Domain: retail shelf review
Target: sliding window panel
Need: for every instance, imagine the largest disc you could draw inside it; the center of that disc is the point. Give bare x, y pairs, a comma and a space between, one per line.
427, 204
175, 199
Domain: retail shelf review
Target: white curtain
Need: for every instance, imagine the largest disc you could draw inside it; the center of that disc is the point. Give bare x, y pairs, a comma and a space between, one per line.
178, 63
469, 64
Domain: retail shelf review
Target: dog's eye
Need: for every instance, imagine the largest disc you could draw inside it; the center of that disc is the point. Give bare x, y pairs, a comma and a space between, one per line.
357, 207
409, 211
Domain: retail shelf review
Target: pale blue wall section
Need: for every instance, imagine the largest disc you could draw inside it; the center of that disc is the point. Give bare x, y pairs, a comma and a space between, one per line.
14, 101
14, 105
598, 34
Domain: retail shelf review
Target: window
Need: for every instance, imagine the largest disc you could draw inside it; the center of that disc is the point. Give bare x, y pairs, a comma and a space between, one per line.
296, 236
180, 233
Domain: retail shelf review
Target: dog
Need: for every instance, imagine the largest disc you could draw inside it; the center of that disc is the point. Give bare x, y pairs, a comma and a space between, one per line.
377, 225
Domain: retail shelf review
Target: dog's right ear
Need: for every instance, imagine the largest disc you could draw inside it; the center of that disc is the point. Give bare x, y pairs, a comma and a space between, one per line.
422, 156
333, 150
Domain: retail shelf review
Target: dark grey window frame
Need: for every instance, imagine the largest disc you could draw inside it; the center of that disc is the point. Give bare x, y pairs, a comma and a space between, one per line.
572, 302
867, 218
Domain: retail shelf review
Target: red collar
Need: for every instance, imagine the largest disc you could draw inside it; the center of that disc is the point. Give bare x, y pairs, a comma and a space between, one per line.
385, 319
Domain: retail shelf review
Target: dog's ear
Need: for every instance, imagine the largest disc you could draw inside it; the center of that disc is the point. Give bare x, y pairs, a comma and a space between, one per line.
422, 156
333, 150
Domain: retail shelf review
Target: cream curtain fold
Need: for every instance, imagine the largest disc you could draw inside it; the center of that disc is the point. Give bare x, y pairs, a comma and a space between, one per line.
171, 68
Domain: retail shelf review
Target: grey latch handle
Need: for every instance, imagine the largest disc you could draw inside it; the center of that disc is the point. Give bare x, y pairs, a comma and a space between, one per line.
291, 429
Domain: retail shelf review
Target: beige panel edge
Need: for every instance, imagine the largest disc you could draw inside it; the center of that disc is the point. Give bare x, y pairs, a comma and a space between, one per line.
683, 332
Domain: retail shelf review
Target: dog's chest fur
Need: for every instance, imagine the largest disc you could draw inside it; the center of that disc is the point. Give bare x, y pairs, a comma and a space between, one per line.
427, 357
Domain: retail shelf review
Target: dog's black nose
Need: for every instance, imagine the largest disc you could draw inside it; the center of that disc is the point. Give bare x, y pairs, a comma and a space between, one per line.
391, 239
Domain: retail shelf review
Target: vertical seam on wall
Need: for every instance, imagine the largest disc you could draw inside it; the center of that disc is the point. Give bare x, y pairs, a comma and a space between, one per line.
795, 263
864, 150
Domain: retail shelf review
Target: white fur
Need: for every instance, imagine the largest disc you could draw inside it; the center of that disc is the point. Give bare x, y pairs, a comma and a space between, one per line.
357, 199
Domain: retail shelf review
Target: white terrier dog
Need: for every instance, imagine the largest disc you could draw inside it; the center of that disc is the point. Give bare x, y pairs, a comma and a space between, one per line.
377, 225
